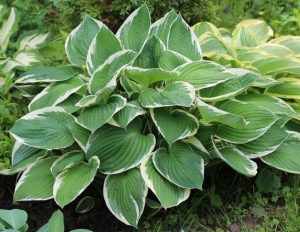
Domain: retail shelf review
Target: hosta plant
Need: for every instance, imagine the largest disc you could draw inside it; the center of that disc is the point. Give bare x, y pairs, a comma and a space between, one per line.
18, 52
143, 110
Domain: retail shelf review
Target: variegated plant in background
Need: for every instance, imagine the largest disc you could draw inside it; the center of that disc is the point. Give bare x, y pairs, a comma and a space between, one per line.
144, 110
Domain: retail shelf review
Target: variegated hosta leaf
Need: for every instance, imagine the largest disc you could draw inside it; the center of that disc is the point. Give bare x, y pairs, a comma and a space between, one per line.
205, 27
286, 157
211, 114
23, 156
273, 65
146, 77
236, 159
71, 182
99, 98
161, 28
118, 149
276, 105
69, 105
174, 94
9, 27
250, 33
66, 161
47, 74
47, 128
185, 44
150, 54
265, 144
55, 93
102, 46
197, 146
33, 41
15, 218
203, 74
105, 75
56, 222
80, 39
131, 110
181, 165
134, 31
170, 60
291, 42
259, 121
36, 182
27, 59
228, 89
168, 124
125, 196
168, 194
96, 116
289, 90
80, 134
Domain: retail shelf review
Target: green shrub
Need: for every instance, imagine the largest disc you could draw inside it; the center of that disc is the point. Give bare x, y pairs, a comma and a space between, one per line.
113, 13
142, 109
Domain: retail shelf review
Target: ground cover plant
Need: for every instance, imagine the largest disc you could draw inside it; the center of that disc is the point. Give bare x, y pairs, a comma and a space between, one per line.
17, 53
143, 110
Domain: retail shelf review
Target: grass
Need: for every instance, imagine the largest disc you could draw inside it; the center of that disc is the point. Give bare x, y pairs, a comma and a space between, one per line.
235, 204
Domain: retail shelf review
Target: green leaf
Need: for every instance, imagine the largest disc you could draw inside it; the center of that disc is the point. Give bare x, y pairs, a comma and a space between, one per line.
80, 39
47, 74
131, 110
69, 105
187, 43
276, 105
205, 27
99, 98
102, 46
265, 144
181, 165
150, 54
267, 181
119, 149
71, 182
203, 74
56, 222
33, 41
286, 156
211, 114
174, 94
47, 128
105, 75
96, 116
146, 77
228, 88
167, 124
134, 31
168, 194
289, 41
250, 33
161, 28
170, 60
36, 182
66, 161
80, 134
273, 65
86, 204
259, 121
55, 93
15, 218
9, 27
122, 192
288, 90
23, 156
236, 159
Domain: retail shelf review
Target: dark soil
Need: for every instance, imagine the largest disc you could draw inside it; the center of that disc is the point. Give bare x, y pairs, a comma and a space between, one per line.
39, 212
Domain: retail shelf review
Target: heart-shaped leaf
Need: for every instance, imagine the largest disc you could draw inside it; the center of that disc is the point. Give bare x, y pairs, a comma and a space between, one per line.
96, 116
181, 165
119, 149
168, 194
167, 124
174, 94
122, 192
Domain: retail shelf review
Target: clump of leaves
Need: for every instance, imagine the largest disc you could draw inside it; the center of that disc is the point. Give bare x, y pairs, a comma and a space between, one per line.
144, 110
16, 54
